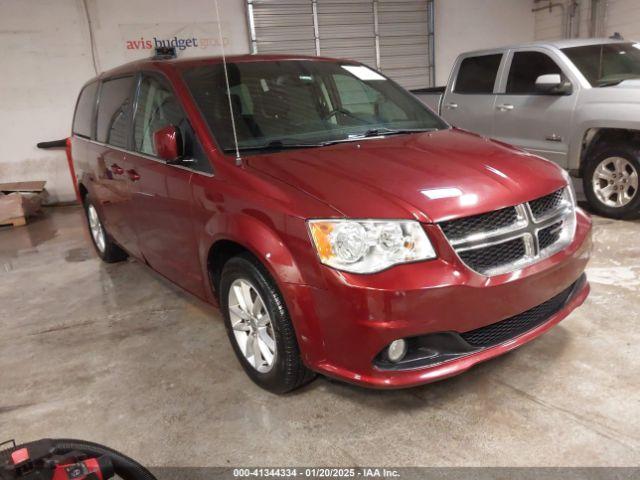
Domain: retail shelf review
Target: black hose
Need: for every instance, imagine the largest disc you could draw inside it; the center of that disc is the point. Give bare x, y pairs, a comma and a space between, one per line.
53, 144
123, 466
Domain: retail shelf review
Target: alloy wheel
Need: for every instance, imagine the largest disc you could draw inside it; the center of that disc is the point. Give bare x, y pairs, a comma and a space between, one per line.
615, 182
97, 232
252, 326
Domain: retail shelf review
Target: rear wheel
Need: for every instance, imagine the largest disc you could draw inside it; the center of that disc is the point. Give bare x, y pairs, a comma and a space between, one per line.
259, 326
610, 181
105, 247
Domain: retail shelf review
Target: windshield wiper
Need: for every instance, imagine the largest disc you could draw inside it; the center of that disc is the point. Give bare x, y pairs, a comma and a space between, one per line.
273, 146
384, 131
377, 132
276, 145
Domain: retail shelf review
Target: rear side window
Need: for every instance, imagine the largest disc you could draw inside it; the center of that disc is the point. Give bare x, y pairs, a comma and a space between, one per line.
83, 118
114, 112
526, 67
478, 74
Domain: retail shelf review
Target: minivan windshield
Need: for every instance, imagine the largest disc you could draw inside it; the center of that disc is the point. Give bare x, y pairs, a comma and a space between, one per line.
606, 64
302, 103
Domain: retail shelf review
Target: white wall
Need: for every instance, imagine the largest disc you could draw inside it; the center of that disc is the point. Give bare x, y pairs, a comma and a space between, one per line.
621, 16
47, 57
463, 25
550, 24
45, 61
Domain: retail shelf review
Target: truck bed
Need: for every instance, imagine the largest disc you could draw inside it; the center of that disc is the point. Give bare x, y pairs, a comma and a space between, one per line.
431, 97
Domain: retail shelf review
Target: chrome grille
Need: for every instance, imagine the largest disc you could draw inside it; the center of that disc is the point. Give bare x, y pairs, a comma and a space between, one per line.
485, 259
549, 235
510, 238
457, 229
544, 205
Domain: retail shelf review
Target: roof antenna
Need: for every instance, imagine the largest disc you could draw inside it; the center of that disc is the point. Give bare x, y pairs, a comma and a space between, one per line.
226, 80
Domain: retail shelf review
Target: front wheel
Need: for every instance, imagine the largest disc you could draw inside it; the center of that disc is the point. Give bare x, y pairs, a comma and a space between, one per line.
610, 181
259, 327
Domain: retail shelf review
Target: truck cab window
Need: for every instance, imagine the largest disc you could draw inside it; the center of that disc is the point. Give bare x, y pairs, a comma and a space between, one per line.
526, 67
478, 74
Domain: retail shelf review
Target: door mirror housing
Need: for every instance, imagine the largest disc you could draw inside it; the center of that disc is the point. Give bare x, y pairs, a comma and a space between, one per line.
167, 143
553, 84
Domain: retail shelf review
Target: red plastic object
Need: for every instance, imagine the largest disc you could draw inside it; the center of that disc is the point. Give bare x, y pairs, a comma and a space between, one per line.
19, 456
89, 468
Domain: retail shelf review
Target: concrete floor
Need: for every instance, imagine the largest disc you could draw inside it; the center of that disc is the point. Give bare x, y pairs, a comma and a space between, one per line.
115, 354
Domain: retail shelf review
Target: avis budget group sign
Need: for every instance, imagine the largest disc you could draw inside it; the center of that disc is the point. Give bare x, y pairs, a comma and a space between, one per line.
194, 39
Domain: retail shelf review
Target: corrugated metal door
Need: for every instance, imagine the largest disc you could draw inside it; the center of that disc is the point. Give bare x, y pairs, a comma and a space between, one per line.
347, 30
406, 41
282, 26
394, 36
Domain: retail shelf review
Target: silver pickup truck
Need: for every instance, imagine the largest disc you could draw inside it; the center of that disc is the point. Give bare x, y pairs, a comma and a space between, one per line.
575, 102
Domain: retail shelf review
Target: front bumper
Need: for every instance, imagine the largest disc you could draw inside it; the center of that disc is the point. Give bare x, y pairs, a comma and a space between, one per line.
343, 328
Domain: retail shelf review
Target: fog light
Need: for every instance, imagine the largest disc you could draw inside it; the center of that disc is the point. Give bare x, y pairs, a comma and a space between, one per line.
397, 350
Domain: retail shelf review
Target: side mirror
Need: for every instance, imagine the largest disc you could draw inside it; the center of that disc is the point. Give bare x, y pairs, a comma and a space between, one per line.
552, 84
167, 143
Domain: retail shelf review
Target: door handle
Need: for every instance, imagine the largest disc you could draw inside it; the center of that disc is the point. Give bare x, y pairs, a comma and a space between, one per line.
117, 169
505, 107
133, 175
451, 106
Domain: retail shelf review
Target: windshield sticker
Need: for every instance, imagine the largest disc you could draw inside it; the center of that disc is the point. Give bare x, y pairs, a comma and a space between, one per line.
363, 73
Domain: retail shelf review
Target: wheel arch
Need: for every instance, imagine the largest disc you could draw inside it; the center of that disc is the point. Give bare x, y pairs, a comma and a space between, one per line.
593, 137
248, 234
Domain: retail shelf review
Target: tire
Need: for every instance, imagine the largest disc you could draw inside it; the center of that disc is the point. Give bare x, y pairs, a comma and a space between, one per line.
610, 180
105, 247
284, 370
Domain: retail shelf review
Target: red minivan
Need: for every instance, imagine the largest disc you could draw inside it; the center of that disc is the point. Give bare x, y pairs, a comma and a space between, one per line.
339, 224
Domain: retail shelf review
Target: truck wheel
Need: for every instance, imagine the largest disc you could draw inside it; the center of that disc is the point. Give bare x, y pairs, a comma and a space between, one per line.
105, 247
259, 327
610, 181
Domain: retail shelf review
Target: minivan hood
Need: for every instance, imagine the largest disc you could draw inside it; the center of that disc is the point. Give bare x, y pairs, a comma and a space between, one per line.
430, 176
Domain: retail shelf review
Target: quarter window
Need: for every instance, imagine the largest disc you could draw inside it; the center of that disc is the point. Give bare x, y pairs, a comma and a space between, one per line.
114, 111
478, 74
526, 67
83, 118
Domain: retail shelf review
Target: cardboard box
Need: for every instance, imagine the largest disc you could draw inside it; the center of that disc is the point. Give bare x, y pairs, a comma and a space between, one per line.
20, 200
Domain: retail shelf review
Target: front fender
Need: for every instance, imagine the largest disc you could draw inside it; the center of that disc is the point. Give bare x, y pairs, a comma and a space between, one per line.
258, 234
599, 115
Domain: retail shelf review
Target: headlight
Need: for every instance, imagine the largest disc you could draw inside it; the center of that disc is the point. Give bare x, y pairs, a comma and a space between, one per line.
367, 246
